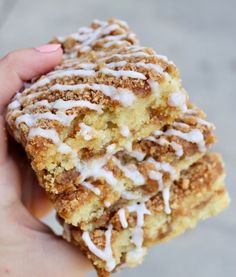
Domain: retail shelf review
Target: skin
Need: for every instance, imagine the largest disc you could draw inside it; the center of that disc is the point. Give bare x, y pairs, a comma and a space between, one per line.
27, 246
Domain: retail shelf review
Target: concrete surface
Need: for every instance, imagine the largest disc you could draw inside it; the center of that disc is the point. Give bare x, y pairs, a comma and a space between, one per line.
200, 37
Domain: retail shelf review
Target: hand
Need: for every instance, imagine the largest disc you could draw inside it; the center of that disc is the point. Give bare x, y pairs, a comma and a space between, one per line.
28, 248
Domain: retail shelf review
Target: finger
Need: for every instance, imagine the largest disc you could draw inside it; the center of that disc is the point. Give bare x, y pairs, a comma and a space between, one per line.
32, 195
70, 262
3, 140
23, 65
35, 199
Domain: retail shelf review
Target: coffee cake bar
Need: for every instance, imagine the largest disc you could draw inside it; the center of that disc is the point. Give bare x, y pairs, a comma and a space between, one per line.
117, 145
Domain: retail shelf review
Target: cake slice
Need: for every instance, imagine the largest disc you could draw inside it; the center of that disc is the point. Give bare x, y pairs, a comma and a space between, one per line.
151, 165
197, 195
92, 106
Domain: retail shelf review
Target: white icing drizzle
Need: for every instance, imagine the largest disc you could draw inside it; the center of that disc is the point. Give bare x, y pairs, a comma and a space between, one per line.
130, 172
129, 195
91, 187
166, 199
125, 132
70, 104
156, 67
162, 57
107, 204
162, 141
164, 166
65, 105
178, 99
41, 82
94, 168
87, 65
112, 43
45, 133
194, 136
112, 38
178, 148
126, 55
90, 36
206, 123
180, 124
124, 96
14, 104
116, 64
111, 148
61, 73
157, 133
52, 135
155, 87
26, 118
137, 232
105, 254
151, 138
103, 30
122, 217
99, 22
70, 72
41, 103
124, 73
141, 210
138, 155
86, 131
157, 176
158, 141
31, 119
64, 148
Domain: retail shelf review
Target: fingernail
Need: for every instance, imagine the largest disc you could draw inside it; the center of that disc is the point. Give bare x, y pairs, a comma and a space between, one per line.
48, 48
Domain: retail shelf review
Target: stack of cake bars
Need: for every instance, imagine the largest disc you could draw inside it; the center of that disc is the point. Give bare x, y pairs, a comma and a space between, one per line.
120, 150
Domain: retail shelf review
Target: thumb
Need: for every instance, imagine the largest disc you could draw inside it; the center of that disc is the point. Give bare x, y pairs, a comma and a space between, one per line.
20, 66
23, 65
15, 68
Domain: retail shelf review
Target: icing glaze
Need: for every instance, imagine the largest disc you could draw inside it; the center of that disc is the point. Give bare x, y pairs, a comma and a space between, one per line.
124, 73
124, 130
86, 131
130, 171
105, 254
122, 217
194, 136
91, 187
124, 96
138, 155
178, 99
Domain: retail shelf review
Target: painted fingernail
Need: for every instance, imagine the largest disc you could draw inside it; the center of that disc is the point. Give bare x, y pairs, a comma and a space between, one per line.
48, 48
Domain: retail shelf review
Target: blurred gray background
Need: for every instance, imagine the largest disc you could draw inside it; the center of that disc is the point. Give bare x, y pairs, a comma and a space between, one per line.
200, 37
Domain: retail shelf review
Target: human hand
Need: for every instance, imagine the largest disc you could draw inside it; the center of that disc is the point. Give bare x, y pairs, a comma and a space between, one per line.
28, 248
